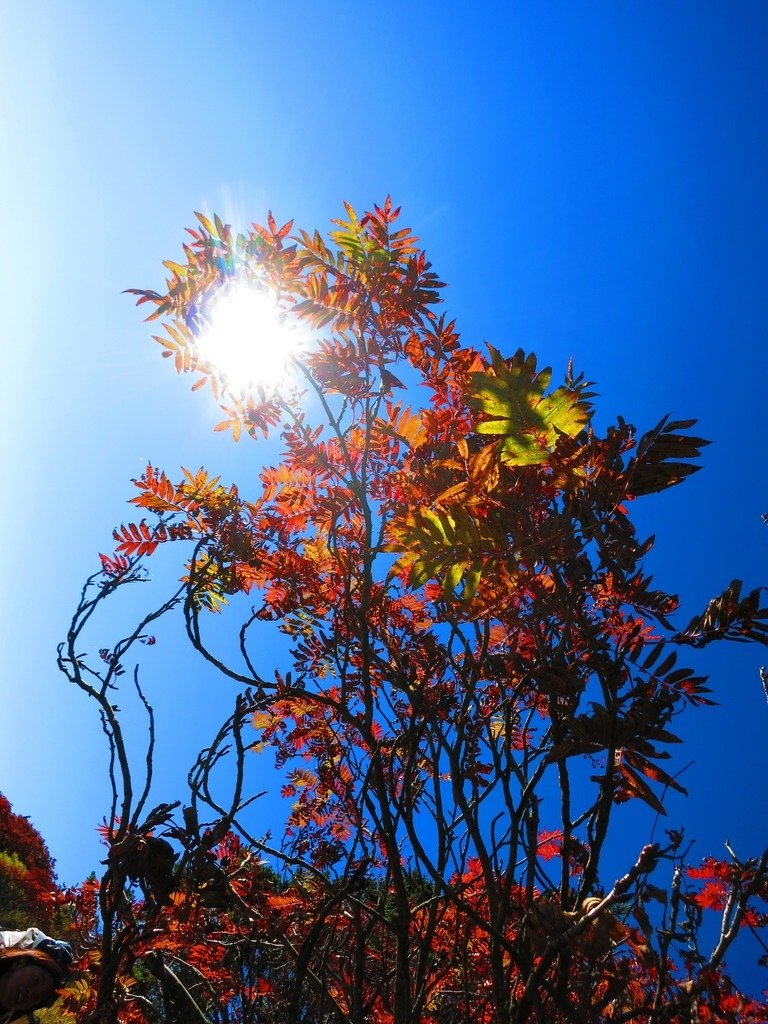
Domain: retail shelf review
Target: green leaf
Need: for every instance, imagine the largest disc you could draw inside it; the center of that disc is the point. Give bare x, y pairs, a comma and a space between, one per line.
472, 580
512, 396
453, 578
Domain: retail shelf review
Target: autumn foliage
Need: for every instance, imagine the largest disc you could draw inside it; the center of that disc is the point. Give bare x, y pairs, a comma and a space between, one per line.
29, 893
482, 676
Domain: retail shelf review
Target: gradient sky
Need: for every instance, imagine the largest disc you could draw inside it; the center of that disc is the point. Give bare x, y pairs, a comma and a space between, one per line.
590, 180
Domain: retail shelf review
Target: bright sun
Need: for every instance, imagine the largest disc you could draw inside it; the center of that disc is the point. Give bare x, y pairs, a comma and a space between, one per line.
249, 340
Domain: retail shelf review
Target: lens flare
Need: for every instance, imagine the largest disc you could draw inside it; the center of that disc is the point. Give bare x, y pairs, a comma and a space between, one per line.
249, 340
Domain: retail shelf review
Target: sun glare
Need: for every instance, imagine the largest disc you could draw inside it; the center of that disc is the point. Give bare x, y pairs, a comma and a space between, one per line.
249, 340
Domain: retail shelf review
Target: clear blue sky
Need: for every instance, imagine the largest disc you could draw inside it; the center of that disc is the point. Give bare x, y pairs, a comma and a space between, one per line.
589, 178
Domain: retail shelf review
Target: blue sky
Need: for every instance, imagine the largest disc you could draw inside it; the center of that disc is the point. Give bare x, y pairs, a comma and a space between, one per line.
590, 180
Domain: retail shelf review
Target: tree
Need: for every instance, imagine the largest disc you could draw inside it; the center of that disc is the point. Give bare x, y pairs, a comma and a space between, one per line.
29, 893
482, 674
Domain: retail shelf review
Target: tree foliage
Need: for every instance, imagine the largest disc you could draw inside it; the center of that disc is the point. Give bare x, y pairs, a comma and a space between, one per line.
29, 893
482, 676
